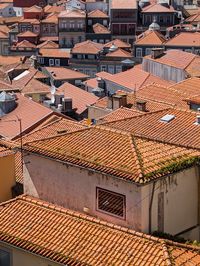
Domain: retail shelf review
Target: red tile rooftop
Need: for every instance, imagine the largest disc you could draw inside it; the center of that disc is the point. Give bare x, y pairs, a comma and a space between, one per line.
93, 241
80, 98
62, 73
124, 4
87, 47
97, 148
9, 125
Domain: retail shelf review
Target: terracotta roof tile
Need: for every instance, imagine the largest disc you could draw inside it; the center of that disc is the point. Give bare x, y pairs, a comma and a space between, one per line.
33, 9
51, 18
124, 4
72, 13
101, 243
24, 110
59, 126
27, 34
80, 98
35, 86
175, 58
97, 14
158, 8
181, 130
24, 44
98, 148
118, 43
88, 47
119, 53
48, 45
51, 9
185, 39
54, 52
62, 73
135, 78
151, 38
99, 29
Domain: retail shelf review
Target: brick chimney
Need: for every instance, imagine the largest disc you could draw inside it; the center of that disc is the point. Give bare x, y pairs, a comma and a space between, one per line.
141, 105
157, 52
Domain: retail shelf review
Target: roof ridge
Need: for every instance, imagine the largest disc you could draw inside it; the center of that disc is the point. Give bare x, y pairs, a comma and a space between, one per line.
139, 159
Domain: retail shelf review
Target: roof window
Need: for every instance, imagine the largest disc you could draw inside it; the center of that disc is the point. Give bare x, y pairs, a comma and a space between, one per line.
167, 118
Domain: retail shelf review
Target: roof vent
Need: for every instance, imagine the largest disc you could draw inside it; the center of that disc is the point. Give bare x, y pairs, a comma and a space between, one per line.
167, 118
113, 48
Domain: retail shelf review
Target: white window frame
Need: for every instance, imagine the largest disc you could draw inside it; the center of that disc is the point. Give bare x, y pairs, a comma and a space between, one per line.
148, 51
57, 62
139, 52
51, 60
103, 68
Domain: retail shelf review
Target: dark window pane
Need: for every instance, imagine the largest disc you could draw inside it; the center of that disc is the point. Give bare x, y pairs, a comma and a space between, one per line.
4, 258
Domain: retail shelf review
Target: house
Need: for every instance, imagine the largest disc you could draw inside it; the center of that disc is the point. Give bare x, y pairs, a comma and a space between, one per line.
4, 42
33, 12
91, 57
78, 4
97, 16
107, 239
164, 14
32, 25
71, 26
172, 65
99, 166
123, 20
19, 5
74, 101
53, 57
146, 41
6, 10
60, 75
49, 26
7, 175
94, 5
24, 48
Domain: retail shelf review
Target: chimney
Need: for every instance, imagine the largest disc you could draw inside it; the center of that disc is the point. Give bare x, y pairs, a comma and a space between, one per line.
67, 105
119, 100
157, 52
58, 99
141, 105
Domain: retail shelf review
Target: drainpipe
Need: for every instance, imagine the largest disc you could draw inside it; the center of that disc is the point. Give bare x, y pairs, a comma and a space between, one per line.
150, 206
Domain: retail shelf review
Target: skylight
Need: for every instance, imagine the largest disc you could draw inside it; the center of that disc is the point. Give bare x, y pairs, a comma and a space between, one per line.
167, 118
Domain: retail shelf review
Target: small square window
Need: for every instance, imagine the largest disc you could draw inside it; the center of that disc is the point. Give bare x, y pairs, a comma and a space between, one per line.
110, 202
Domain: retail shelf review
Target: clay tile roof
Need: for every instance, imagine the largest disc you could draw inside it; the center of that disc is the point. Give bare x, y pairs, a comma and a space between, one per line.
97, 14
88, 237
24, 110
4, 151
34, 87
22, 80
25, 44
48, 44
51, 18
59, 126
118, 43
29, 20
97, 148
135, 78
151, 38
124, 4
193, 69
163, 94
3, 35
175, 58
185, 39
72, 13
80, 98
193, 18
27, 34
188, 87
4, 5
181, 130
52, 9
62, 73
158, 8
93, 82
47, 52
88, 47
119, 53
5, 86
33, 9
99, 29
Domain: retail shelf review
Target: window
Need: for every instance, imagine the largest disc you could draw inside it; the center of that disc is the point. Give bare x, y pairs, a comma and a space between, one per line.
105, 22
139, 52
111, 69
51, 62
118, 69
5, 257
110, 202
41, 59
188, 50
89, 22
57, 62
103, 68
148, 51
91, 56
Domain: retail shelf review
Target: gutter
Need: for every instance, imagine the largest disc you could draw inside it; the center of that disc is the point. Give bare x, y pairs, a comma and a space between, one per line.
150, 206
